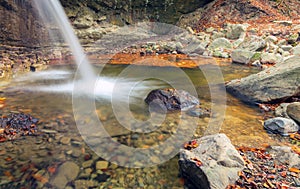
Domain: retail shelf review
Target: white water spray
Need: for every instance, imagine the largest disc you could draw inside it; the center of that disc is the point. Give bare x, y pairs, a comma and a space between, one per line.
53, 10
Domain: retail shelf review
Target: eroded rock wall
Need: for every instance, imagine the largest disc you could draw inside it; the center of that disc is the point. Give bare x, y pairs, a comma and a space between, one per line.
129, 11
20, 25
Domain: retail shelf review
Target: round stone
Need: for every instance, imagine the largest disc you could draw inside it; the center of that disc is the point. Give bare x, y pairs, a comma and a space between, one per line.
65, 140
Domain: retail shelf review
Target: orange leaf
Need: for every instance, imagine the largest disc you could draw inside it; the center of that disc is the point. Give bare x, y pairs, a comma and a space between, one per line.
283, 174
51, 169
40, 178
7, 173
160, 137
296, 149
294, 170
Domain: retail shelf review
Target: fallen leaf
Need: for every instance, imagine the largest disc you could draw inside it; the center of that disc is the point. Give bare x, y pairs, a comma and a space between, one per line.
8, 158
9, 175
283, 174
296, 149
51, 169
40, 178
294, 170
2, 139
160, 137
271, 176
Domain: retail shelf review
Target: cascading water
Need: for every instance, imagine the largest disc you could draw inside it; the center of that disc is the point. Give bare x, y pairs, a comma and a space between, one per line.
54, 10
89, 84
52, 13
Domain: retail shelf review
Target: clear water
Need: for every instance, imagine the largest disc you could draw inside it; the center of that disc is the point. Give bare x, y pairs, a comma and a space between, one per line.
47, 95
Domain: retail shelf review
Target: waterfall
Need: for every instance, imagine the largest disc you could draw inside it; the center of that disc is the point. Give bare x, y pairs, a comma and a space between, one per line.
52, 10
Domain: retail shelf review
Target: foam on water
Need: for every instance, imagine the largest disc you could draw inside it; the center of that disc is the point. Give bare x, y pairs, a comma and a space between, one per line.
46, 75
53, 13
104, 88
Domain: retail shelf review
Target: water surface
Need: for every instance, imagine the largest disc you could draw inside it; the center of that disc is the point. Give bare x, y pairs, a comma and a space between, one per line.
47, 95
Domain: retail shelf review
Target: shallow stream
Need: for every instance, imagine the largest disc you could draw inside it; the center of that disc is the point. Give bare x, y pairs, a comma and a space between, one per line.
33, 161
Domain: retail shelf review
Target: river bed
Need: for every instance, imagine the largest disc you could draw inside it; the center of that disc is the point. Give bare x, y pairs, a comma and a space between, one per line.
33, 161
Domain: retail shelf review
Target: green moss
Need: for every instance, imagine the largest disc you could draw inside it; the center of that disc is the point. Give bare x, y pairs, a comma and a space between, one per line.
255, 57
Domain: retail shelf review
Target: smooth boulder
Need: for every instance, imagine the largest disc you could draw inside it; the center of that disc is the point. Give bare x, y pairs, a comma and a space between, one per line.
169, 99
67, 172
277, 83
280, 125
214, 164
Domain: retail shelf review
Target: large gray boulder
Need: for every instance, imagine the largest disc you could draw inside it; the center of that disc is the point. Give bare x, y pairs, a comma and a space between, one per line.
214, 164
273, 84
83, 22
280, 125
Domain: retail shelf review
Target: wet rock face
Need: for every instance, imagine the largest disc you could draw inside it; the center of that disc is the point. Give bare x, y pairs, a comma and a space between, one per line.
168, 99
20, 25
128, 11
213, 163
